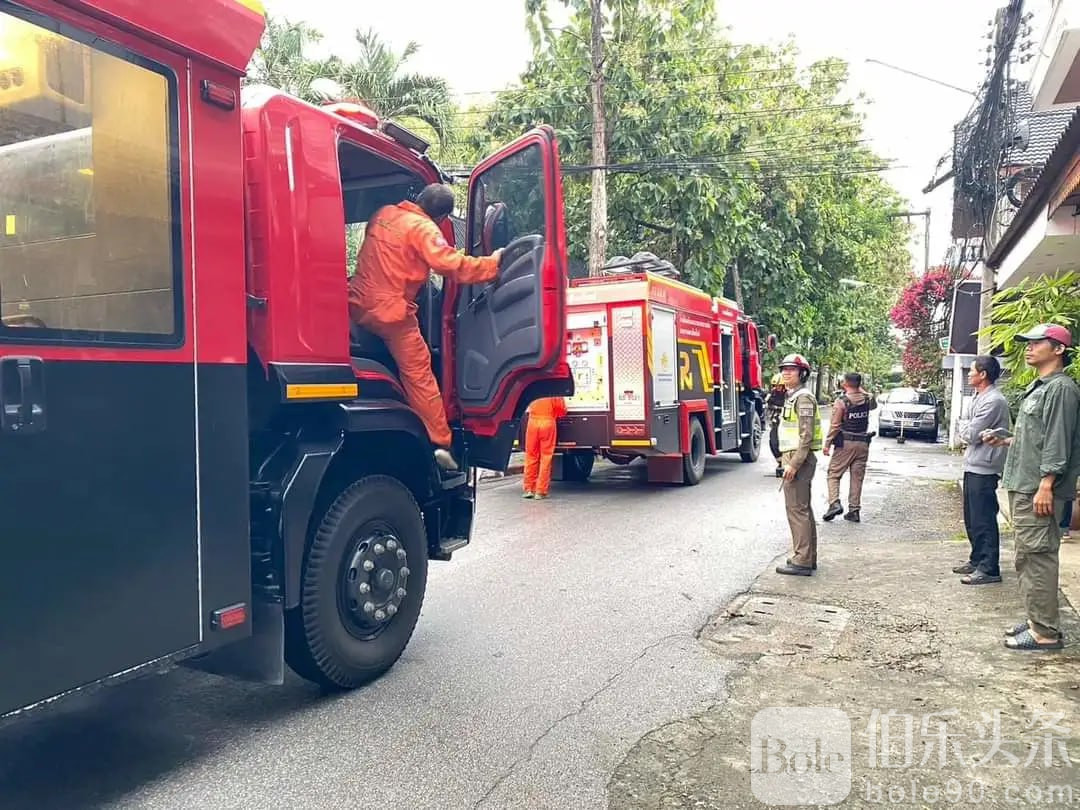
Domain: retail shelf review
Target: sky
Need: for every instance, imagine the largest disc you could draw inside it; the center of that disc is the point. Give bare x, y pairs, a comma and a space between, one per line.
908, 120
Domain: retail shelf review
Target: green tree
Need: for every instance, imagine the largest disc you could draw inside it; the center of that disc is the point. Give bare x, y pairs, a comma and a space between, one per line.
1041, 299
743, 170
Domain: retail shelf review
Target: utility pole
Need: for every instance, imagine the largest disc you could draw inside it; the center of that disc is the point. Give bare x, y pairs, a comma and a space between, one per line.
598, 230
926, 232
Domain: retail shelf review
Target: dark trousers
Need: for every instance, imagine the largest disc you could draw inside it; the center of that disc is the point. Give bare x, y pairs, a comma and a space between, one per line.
774, 441
980, 520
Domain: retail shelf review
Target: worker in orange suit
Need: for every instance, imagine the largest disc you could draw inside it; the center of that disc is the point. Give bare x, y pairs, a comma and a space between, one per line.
402, 245
540, 445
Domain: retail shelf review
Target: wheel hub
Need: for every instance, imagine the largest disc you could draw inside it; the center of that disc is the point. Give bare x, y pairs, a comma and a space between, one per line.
375, 581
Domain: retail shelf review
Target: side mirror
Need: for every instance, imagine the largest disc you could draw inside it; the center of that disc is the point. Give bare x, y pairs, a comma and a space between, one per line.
770, 343
496, 231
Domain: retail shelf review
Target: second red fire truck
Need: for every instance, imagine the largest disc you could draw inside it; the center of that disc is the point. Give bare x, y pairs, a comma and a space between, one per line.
662, 371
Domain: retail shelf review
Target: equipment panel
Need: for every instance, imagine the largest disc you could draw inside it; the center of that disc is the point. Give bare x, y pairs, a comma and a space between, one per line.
587, 354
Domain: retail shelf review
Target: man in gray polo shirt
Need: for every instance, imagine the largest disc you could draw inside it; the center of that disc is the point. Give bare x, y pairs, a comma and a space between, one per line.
983, 464
1040, 474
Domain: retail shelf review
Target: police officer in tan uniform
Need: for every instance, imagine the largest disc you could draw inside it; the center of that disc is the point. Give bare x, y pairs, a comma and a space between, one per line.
849, 442
799, 434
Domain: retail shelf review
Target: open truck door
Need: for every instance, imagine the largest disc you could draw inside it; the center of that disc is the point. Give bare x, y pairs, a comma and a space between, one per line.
510, 334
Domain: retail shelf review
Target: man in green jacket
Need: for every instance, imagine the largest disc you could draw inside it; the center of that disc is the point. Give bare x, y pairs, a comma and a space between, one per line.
1040, 475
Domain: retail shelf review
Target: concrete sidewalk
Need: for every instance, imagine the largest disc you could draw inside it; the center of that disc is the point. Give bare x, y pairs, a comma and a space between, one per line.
883, 638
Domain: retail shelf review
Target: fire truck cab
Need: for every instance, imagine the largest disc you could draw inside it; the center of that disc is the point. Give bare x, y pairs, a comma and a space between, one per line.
663, 371
199, 460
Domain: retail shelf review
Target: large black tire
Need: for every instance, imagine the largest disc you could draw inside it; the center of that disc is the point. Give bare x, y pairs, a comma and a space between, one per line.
577, 466
751, 445
694, 461
330, 639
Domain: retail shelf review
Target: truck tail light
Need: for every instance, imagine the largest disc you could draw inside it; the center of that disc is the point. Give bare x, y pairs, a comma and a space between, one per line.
229, 617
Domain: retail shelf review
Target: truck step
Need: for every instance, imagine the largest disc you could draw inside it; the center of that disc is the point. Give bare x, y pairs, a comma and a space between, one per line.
452, 544
447, 547
453, 480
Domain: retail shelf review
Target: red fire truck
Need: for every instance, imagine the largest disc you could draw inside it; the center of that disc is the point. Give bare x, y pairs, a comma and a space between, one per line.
196, 462
662, 371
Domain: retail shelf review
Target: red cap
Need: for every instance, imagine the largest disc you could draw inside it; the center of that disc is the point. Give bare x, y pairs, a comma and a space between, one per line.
1048, 330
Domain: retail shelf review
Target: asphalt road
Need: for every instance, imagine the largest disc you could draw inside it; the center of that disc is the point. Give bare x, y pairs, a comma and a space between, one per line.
546, 649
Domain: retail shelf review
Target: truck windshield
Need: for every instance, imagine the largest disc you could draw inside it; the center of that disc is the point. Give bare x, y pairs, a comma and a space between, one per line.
910, 396
88, 187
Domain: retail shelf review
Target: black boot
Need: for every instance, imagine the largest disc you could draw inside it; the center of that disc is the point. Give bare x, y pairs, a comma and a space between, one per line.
794, 570
853, 516
835, 508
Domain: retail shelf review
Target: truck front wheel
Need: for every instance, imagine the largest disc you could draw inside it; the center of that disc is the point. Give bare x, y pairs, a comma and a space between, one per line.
362, 586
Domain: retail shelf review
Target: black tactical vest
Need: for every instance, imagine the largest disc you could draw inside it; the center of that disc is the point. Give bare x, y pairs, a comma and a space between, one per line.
857, 418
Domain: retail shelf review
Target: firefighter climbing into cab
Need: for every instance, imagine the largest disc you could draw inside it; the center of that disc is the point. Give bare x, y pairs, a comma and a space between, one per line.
403, 243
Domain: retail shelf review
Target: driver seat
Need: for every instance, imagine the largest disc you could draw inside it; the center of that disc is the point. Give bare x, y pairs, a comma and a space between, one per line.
365, 345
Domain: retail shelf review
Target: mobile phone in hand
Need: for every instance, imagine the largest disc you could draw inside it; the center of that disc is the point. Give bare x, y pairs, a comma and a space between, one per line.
999, 433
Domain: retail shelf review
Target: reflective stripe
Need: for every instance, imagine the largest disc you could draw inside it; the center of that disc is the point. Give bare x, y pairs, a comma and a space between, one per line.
788, 430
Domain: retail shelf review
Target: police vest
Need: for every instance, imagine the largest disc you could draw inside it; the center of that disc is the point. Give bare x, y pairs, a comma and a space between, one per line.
856, 417
788, 432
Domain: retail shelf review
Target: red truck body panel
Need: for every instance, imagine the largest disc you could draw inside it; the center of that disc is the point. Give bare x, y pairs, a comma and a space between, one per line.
225, 32
175, 359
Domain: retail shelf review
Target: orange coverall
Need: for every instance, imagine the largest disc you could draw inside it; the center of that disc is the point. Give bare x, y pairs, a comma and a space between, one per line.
540, 442
401, 246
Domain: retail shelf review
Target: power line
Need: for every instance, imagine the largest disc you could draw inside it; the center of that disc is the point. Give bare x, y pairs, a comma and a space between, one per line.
690, 115
797, 150
697, 165
790, 67
737, 47
777, 140
666, 84
575, 86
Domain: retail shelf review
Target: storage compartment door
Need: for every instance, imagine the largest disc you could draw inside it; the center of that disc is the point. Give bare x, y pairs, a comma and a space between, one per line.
662, 352
587, 353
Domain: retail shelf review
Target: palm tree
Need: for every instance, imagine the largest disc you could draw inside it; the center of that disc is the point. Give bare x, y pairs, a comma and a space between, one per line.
374, 76
283, 59
377, 77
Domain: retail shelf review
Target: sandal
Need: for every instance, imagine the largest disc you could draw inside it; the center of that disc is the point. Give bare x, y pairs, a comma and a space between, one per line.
1025, 642
1017, 629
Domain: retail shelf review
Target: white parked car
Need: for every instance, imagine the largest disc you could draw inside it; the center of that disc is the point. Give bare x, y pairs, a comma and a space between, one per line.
916, 410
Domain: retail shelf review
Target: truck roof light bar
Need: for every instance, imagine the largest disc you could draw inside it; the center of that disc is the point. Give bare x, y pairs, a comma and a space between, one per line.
403, 136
